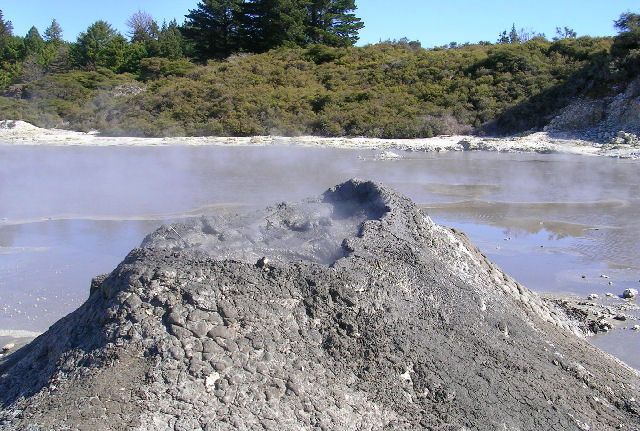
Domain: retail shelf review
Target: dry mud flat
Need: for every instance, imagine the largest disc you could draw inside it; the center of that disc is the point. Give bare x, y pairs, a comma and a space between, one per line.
22, 133
349, 311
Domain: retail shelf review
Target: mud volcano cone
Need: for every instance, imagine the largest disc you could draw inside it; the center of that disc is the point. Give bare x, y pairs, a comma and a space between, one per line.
352, 311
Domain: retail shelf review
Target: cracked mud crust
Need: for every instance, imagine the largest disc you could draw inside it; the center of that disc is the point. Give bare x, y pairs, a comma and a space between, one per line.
351, 311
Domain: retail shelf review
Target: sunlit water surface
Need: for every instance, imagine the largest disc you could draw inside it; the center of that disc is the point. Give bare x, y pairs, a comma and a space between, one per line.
70, 213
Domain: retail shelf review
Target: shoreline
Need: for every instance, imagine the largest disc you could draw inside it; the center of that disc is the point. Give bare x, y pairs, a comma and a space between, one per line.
23, 133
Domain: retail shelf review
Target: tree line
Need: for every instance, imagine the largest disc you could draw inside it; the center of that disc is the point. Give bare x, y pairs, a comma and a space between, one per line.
219, 28
317, 83
24, 59
214, 29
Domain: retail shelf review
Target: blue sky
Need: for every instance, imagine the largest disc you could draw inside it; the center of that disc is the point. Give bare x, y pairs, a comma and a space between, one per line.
431, 22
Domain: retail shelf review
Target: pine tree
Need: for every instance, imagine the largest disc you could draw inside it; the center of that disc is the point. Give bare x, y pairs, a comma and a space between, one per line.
33, 42
60, 59
170, 41
332, 22
100, 45
214, 28
513, 35
629, 38
6, 31
53, 34
626, 45
503, 38
218, 28
627, 22
266, 24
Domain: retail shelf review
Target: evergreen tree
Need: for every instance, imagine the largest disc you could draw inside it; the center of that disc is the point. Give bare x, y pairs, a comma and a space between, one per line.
627, 22
53, 34
513, 35
6, 31
266, 24
503, 37
14, 50
132, 55
55, 55
629, 38
100, 45
143, 29
170, 41
626, 45
113, 55
60, 60
332, 22
33, 42
214, 28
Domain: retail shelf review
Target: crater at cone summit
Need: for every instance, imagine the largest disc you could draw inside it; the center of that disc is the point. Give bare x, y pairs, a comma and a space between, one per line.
349, 311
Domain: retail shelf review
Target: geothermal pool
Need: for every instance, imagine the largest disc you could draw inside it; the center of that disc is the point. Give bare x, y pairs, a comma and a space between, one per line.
556, 223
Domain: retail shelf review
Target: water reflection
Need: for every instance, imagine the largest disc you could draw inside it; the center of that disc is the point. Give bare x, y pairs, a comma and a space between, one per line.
46, 267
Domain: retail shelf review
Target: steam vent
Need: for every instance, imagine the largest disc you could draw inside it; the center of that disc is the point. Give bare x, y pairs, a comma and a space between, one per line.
351, 311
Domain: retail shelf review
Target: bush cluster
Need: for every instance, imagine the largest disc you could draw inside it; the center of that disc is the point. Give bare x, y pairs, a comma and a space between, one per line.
387, 90
393, 89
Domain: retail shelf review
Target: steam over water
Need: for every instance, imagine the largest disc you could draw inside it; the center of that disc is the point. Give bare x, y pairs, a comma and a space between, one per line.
70, 213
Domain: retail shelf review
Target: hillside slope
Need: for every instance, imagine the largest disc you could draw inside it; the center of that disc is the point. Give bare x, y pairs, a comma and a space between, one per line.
387, 90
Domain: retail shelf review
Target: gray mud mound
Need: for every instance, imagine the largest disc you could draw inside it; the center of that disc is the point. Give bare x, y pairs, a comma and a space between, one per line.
353, 311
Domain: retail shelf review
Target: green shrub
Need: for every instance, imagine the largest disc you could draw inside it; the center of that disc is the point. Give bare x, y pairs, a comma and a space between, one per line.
391, 89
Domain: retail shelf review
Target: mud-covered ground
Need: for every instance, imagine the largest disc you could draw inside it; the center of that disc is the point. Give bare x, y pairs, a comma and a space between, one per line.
349, 311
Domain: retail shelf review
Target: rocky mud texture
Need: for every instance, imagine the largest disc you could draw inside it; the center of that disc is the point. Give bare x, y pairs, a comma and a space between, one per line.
595, 315
353, 311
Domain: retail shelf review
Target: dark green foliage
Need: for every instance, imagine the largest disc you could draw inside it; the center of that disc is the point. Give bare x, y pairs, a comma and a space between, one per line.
14, 49
82, 98
132, 55
625, 42
25, 59
626, 45
170, 41
99, 46
57, 58
55, 54
627, 22
629, 37
513, 35
219, 28
332, 22
266, 24
319, 53
581, 48
389, 90
157, 42
593, 79
6, 29
33, 42
155, 68
385, 90
214, 28
503, 37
